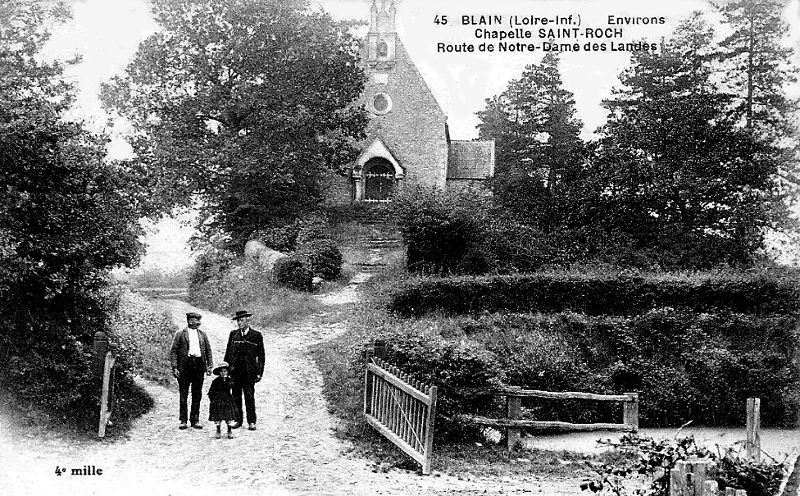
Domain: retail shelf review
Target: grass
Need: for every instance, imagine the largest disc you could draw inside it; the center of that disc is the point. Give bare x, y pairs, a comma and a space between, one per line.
246, 287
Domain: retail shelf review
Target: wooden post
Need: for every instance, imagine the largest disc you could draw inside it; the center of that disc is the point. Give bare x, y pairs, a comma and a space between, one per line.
367, 387
754, 428
688, 478
513, 411
431, 424
100, 348
104, 411
630, 411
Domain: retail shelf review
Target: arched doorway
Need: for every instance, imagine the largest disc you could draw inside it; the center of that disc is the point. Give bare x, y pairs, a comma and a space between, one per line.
378, 179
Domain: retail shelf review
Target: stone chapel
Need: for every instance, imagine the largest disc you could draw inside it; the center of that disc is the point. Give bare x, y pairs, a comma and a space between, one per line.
407, 142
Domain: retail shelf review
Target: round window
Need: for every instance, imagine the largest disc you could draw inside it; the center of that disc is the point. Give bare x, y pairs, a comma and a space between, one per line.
381, 103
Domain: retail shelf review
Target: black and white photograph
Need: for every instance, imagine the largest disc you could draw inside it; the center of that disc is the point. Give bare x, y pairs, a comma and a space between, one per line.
399, 247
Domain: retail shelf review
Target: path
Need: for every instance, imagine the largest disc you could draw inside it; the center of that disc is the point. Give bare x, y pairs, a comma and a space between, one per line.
293, 452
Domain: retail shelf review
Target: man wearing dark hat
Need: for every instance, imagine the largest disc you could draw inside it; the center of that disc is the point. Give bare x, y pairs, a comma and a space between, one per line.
191, 360
245, 354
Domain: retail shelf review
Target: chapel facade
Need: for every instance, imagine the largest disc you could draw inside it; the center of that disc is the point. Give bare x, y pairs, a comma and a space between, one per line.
407, 137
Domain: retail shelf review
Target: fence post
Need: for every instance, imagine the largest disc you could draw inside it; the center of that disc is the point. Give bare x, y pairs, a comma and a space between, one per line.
754, 428
367, 386
630, 411
431, 424
513, 411
688, 477
100, 348
104, 396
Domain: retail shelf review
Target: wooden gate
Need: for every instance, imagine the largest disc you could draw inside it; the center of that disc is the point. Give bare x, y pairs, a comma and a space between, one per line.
402, 409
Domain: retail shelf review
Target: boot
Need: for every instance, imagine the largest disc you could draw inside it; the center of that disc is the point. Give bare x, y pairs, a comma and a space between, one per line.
230, 434
219, 432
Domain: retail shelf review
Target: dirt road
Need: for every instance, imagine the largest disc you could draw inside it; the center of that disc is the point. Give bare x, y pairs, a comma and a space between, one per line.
293, 452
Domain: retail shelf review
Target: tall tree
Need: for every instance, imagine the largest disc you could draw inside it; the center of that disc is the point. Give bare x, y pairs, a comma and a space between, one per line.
67, 216
246, 102
539, 151
681, 178
534, 124
758, 66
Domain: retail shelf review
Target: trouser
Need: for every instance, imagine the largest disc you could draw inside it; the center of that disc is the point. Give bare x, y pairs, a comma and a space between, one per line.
249, 389
192, 376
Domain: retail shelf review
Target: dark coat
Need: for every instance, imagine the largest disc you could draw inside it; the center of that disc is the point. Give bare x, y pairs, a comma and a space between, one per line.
245, 354
180, 350
222, 406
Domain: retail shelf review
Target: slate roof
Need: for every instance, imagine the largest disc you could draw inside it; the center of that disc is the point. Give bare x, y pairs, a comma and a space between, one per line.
470, 159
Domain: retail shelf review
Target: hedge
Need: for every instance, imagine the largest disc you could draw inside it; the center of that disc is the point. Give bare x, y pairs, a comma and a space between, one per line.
686, 366
596, 294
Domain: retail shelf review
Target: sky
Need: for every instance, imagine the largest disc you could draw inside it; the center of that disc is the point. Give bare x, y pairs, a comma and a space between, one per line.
107, 32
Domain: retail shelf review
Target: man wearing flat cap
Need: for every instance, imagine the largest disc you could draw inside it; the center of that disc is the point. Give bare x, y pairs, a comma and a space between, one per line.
191, 361
245, 354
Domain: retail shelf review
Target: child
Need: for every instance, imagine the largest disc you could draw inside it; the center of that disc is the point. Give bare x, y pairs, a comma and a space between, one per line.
221, 398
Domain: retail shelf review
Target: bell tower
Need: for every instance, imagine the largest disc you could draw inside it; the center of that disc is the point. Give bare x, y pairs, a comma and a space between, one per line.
382, 37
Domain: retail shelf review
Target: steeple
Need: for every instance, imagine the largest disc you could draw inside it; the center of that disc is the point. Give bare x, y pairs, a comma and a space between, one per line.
373, 17
381, 39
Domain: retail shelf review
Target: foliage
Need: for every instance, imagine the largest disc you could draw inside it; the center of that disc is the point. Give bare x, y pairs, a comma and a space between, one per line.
294, 272
324, 258
249, 286
210, 265
758, 66
247, 103
687, 366
615, 293
279, 238
657, 458
311, 228
67, 218
144, 335
289, 237
443, 231
681, 176
534, 127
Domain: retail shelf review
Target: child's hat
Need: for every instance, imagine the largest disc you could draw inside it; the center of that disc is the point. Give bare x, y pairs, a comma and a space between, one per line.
222, 365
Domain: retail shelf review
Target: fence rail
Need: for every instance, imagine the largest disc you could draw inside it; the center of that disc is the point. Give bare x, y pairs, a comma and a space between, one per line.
402, 409
513, 424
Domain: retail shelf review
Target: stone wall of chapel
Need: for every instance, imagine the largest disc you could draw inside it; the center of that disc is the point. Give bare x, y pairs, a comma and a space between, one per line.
414, 129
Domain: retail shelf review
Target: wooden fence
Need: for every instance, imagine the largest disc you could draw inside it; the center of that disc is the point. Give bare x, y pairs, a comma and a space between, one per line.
513, 424
402, 409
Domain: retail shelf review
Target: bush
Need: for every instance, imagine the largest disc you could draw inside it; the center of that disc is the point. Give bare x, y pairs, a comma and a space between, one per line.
699, 367
616, 294
655, 459
444, 232
311, 228
144, 334
211, 264
283, 238
294, 272
289, 237
324, 258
